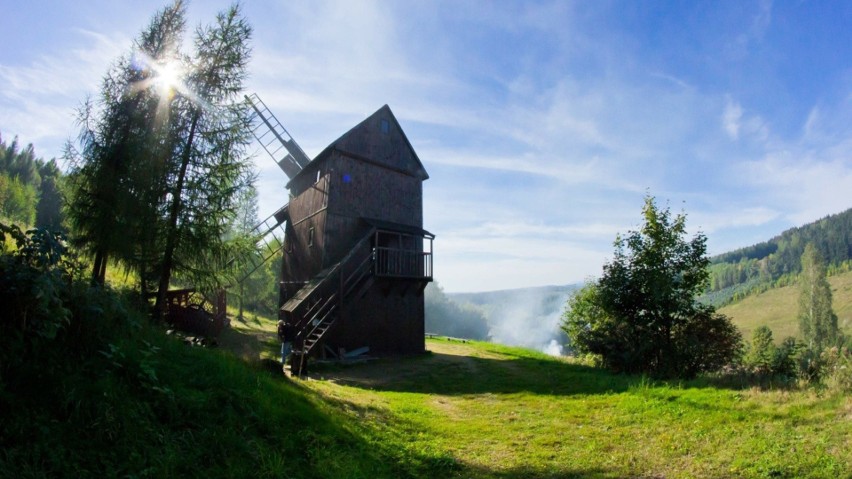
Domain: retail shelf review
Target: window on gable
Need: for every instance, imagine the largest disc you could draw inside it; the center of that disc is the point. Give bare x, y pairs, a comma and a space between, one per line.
385, 126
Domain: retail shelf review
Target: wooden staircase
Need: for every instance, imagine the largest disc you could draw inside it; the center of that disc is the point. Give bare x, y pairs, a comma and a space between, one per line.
315, 308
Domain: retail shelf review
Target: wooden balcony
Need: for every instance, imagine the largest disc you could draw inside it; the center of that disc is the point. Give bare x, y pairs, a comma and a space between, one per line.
402, 263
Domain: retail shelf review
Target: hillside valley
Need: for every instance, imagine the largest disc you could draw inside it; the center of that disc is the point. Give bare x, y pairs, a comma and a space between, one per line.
778, 308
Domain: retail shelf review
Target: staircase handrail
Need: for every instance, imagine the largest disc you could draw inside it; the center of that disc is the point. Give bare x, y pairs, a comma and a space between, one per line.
326, 305
325, 312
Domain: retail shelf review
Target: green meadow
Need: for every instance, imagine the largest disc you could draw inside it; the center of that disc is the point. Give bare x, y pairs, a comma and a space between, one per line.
151, 406
483, 410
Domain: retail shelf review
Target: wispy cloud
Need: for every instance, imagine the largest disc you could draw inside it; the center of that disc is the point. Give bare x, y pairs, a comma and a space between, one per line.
809, 185
39, 100
731, 119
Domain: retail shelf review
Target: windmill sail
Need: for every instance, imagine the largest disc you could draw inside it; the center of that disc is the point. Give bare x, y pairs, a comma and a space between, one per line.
268, 236
275, 139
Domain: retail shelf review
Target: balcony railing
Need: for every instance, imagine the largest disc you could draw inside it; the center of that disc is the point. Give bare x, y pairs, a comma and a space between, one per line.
402, 263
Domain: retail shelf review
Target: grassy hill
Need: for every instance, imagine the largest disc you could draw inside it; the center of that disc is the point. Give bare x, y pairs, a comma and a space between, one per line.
778, 307
483, 410
467, 410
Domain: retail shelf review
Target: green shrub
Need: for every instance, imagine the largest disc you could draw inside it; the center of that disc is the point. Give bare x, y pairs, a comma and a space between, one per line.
785, 357
642, 315
837, 369
35, 278
48, 308
761, 355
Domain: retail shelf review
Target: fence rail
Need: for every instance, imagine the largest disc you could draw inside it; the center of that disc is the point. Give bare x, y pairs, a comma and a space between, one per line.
401, 263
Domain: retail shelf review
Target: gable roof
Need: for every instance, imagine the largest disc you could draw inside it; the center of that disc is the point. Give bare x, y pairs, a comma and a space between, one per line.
378, 139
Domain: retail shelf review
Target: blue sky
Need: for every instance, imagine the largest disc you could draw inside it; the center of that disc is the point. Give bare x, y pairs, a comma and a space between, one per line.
541, 124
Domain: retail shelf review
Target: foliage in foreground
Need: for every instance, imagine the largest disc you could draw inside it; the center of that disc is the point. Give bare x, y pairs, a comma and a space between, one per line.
642, 315
88, 388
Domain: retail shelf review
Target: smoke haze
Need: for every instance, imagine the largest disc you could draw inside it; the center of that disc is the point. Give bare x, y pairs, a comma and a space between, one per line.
527, 317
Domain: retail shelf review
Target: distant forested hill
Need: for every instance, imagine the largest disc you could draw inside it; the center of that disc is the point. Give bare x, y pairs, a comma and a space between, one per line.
29, 187
776, 262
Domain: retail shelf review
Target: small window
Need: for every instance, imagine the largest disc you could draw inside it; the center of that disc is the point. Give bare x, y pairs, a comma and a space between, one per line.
311, 236
385, 126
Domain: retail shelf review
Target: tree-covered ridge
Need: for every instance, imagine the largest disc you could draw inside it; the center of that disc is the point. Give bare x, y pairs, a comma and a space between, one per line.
29, 187
777, 261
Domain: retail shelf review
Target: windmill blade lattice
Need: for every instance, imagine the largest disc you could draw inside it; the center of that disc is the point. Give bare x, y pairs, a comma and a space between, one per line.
275, 139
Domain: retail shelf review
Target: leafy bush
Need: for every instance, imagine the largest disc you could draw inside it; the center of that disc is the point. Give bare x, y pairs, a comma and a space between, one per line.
785, 357
837, 369
764, 359
761, 355
830, 368
47, 306
642, 316
35, 277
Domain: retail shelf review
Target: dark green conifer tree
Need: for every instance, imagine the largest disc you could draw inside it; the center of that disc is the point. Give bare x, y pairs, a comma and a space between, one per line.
817, 321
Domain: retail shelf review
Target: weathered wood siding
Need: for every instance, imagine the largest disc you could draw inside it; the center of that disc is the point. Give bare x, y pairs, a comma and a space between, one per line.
389, 318
381, 193
303, 250
387, 323
380, 139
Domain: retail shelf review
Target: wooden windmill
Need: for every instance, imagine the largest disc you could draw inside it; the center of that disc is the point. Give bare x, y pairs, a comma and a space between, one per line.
356, 256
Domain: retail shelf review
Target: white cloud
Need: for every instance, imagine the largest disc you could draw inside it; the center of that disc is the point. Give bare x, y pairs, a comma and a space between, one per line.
741, 126
734, 216
808, 186
762, 20
39, 100
731, 119
811, 126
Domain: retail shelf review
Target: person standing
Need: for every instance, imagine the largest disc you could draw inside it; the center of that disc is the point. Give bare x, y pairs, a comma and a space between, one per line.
285, 335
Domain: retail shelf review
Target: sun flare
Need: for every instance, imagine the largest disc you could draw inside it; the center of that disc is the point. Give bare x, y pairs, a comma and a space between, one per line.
167, 77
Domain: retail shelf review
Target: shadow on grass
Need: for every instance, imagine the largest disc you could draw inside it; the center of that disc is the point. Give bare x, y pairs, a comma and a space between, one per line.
448, 374
202, 414
249, 345
507, 373
529, 473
